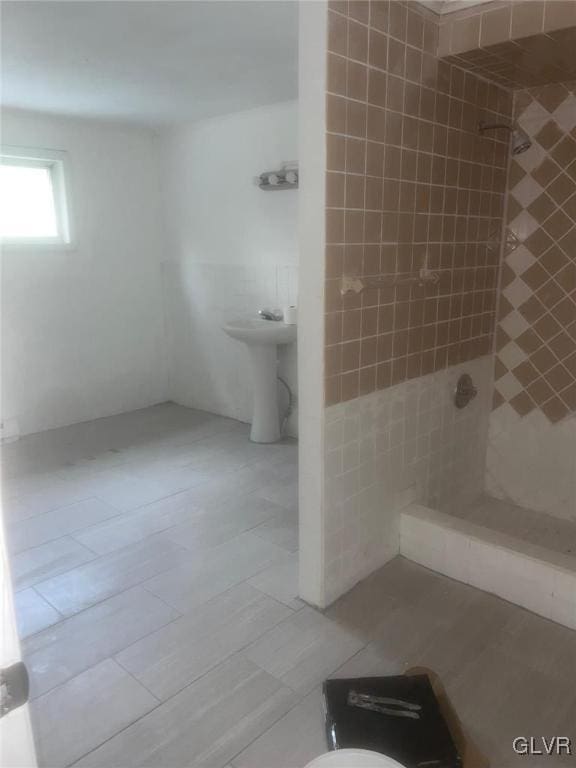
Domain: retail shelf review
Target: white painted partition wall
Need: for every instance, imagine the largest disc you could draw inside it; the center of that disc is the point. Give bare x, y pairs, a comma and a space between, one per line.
312, 159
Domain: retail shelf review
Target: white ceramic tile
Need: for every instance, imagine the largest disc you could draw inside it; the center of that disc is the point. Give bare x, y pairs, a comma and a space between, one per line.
511, 355
520, 260
526, 191
523, 225
179, 653
76, 717
490, 560
33, 613
421, 449
514, 324
204, 725
517, 292
565, 114
508, 386
74, 645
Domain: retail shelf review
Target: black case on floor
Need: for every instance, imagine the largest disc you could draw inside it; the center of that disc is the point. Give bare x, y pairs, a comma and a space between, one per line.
422, 743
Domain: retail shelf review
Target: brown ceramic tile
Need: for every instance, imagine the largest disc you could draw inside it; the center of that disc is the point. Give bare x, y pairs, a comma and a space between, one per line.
561, 188
465, 34
495, 27
378, 49
549, 135
557, 225
568, 243
558, 378
568, 397
545, 172
553, 260
540, 391
527, 18
522, 404
540, 208
356, 81
543, 360
559, 14
357, 41
526, 373
564, 152
555, 409
551, 96
538, 242
337, 33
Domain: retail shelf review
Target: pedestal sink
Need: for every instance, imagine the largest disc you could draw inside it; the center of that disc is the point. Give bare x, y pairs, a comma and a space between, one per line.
262, 337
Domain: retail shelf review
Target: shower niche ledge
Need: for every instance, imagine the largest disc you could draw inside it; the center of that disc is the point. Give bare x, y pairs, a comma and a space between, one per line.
534, 577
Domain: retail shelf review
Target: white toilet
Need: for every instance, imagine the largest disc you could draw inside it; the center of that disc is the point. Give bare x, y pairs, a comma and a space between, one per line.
353, 758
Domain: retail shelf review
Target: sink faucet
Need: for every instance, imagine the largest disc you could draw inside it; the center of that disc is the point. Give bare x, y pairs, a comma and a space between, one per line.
270, 314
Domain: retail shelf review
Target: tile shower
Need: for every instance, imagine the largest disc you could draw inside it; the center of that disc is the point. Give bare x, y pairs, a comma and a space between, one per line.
411, 184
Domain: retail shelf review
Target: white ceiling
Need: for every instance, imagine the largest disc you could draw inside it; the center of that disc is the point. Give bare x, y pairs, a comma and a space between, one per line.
154, 62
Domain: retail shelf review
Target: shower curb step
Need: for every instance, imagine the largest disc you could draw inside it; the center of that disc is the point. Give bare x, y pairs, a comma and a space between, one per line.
536, 578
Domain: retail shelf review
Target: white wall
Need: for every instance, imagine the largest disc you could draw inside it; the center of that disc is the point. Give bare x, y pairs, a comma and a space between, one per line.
231, 250
83, 329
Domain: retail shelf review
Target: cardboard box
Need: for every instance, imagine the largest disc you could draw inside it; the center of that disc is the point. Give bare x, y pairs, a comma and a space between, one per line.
469, 752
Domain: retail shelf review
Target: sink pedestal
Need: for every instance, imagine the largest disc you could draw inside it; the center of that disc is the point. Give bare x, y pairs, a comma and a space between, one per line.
265, 414
262, 338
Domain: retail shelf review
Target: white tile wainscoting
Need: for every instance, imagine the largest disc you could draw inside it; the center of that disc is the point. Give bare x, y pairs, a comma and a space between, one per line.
532, 462
536, 578
408, 443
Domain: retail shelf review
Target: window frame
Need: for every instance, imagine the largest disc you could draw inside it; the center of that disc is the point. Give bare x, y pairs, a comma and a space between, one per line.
57, 163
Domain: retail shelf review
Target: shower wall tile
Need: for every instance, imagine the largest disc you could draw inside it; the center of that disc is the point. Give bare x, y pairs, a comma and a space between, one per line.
410, 184
384, 450
535, 366
532, 438
517, 45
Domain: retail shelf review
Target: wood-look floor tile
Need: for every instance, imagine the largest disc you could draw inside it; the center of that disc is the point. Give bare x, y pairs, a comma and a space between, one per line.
38, 563
176, 655
303, 649
95, 581
76, 717
33, 613
72, 646
295, 740
210, 572
204, 725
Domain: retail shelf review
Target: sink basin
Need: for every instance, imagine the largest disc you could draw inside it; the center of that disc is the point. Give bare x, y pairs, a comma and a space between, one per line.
254, 330
262, 338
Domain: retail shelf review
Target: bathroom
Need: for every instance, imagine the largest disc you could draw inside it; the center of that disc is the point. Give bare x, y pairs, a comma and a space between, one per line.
415, 505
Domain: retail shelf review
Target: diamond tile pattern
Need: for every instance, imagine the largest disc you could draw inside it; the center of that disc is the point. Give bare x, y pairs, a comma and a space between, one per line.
536, 337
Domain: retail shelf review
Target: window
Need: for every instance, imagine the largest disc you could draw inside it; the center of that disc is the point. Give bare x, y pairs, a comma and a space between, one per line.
33, 203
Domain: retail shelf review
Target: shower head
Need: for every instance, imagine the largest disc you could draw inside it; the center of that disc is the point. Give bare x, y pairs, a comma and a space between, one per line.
520, 140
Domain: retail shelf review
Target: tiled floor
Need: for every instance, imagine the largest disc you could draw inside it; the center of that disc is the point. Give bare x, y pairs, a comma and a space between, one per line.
155, 557
553, 533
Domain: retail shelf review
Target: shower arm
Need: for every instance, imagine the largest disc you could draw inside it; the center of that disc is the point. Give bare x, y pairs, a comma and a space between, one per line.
482, 126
